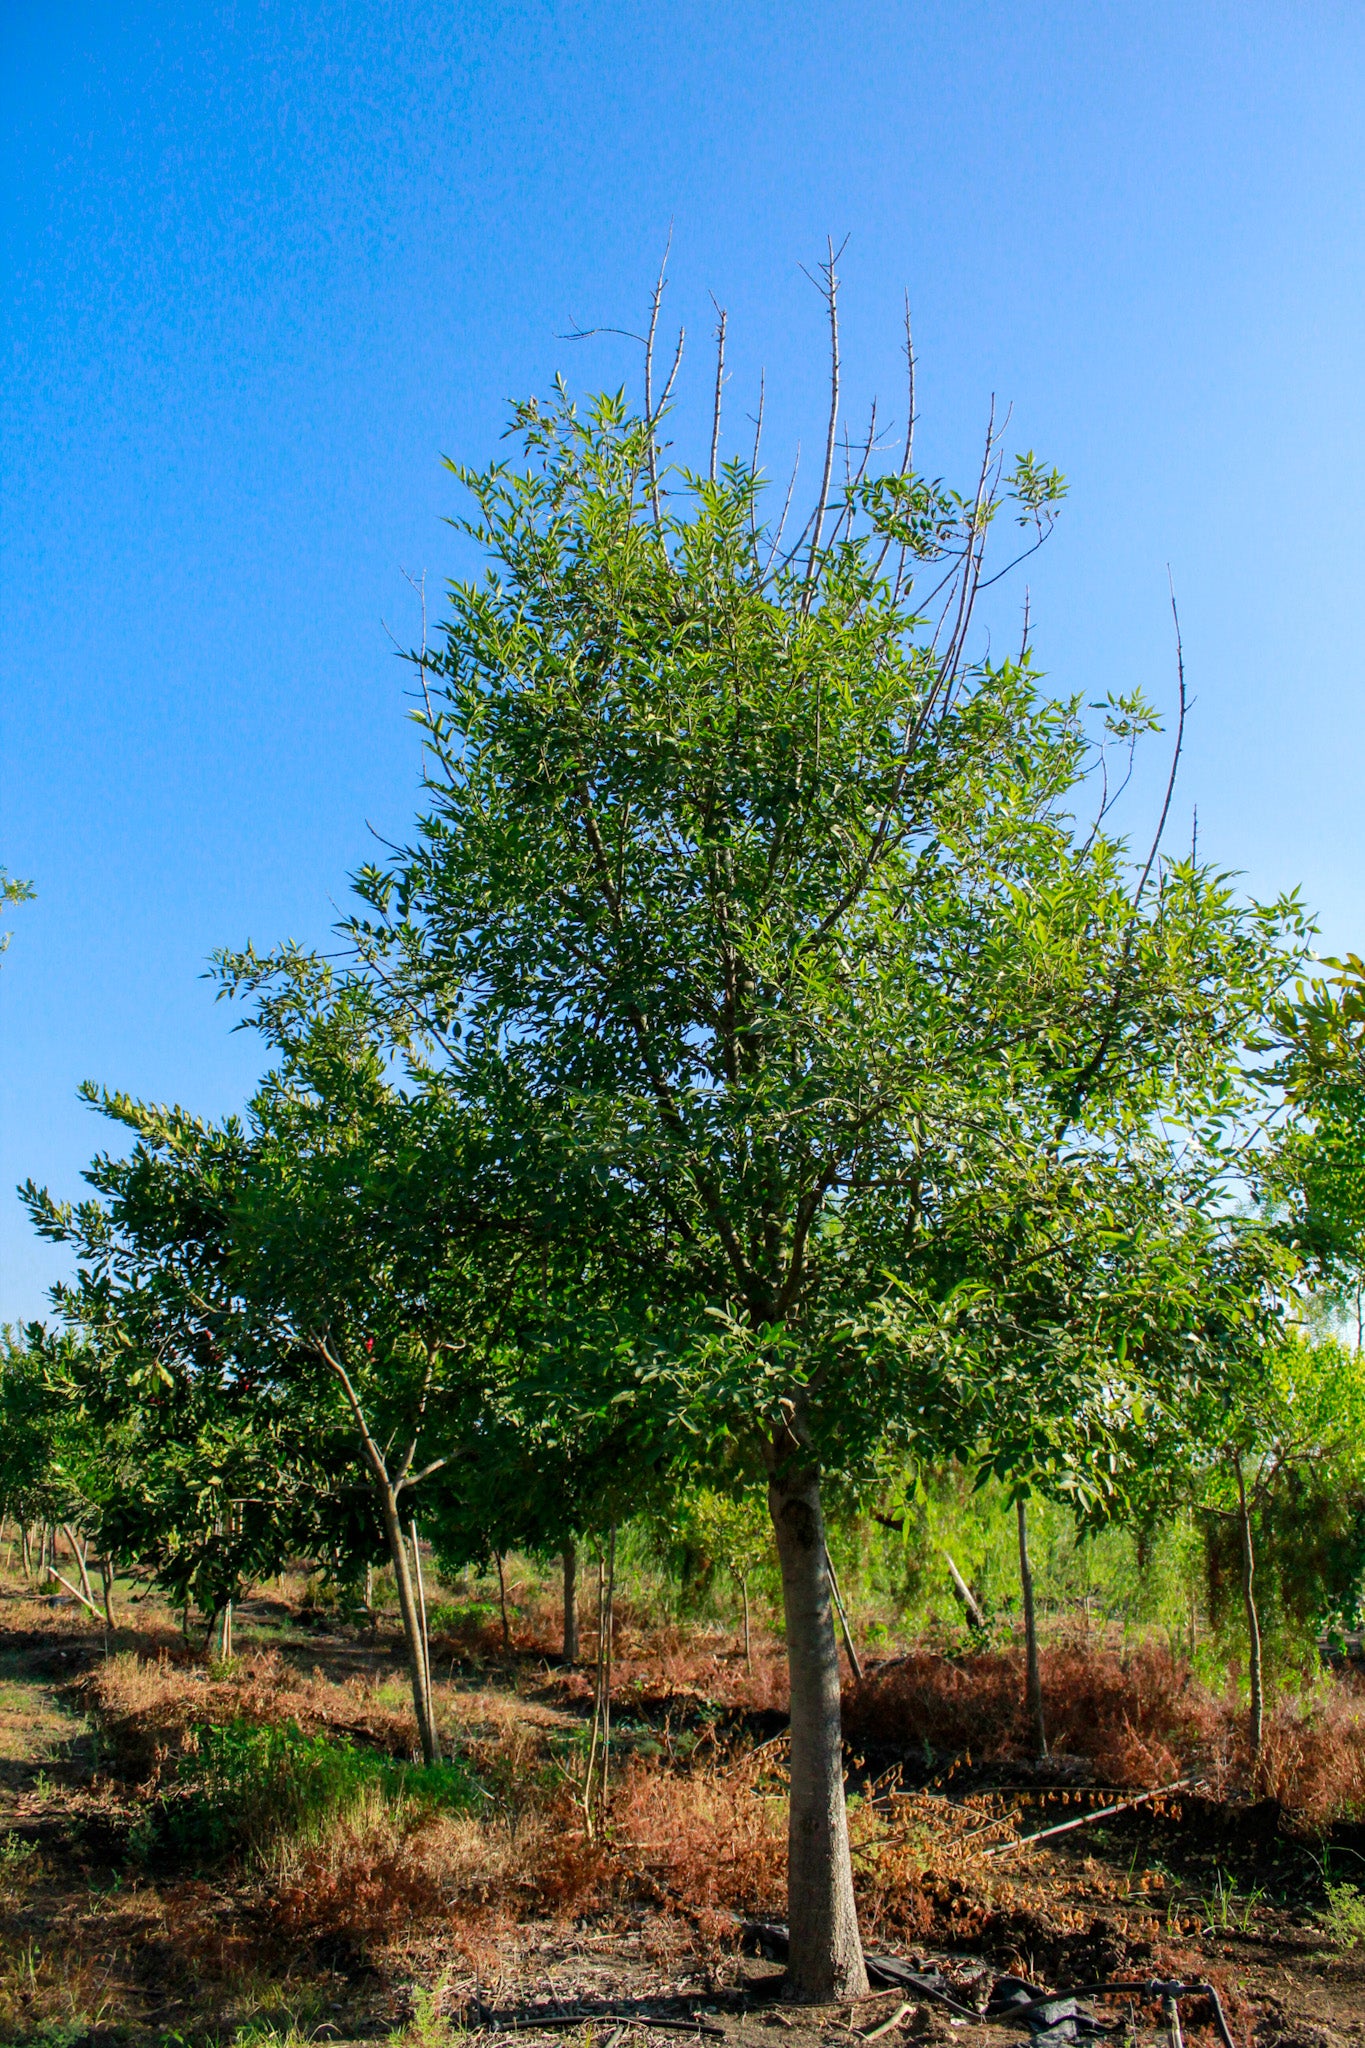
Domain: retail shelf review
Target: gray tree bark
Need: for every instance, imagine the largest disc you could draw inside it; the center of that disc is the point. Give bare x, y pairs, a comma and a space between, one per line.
826, 1953
1256, 1726
1033, 1685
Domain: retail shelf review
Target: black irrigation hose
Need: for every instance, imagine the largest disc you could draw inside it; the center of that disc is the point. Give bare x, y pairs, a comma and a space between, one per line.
1150, 1987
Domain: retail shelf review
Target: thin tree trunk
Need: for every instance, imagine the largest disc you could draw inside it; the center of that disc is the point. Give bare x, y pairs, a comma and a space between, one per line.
748, 1653
843, 1618
78, 1551
502, 1604
1256, 1727
74, 1591
412, 1625
225, 1636
826, 1955
595, 1739
1033, 1687
570, 1602
26, 1551
414, 1630
971, 1605
606, 1664
424, 1641
369, 1594
107, 1578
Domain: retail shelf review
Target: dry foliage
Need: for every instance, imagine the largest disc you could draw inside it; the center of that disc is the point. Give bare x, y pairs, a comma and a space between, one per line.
1313, 1758
1139, 1718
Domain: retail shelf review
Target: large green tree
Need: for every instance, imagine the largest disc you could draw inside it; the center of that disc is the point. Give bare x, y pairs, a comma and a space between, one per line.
767, 879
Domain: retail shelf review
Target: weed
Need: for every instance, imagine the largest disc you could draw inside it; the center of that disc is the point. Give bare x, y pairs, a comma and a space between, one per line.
427, 2028
268, 2034
1226, 1909
1344, 1920
58, 2034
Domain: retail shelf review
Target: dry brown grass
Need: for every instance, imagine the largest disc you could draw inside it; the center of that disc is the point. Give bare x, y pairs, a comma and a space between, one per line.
1138, 1717
146, 1706
1313, 1759
358, 1899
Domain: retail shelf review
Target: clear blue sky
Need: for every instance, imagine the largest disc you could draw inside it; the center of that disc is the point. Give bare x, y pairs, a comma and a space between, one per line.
264, 264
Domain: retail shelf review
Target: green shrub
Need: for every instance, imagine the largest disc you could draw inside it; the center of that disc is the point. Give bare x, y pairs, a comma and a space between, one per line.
461, 1617
245, 1786
1344, 1920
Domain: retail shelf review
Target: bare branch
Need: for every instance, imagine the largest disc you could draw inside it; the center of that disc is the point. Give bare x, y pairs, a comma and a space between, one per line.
655, 303
720, 380
831, 292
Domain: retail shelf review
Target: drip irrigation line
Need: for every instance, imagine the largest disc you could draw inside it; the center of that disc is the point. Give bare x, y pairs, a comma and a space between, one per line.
558, 2022
1083, 1820
1151, 1988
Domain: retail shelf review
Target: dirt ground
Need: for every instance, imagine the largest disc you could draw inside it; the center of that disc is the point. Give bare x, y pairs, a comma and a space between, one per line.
95, 1946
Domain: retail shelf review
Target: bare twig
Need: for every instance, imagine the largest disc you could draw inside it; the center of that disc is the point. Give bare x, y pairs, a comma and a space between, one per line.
655, 303
831, 293
889, 2024
720, 381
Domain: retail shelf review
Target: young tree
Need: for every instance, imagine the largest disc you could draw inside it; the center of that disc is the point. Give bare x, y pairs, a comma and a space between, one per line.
330, 1291
732, 1529
767, 883
1285, 1420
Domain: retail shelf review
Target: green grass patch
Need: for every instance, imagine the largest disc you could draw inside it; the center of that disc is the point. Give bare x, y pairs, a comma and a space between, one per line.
245, 1786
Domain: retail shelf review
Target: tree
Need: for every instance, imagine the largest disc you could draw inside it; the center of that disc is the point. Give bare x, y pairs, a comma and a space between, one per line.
766, 883
50, 1463
1287, 1422
731, 1529
319, 1300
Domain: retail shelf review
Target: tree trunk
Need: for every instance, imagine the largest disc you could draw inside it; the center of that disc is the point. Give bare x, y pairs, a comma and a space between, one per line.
502, 1604
970, 1604
412, 1624
826, 1955
607, 1631
570, 1602
78, 1552
225, 1637
414, 1617
107, 1578
1256, 1727
1033, 1688
748, 1654
26, 1551
424, 1641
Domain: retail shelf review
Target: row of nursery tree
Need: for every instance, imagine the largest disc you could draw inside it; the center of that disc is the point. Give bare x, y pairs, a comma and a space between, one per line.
767, 1065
